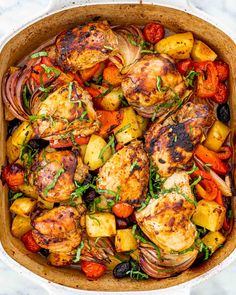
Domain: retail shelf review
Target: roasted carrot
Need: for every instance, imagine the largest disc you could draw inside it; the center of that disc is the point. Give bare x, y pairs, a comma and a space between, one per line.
87, 74
95, 95
111, 74
109, 120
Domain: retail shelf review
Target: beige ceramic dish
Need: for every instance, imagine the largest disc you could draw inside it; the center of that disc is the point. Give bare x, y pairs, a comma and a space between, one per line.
29, 38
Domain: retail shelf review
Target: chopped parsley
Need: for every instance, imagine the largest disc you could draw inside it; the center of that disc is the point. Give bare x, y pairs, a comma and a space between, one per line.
189, 79
52, 185
49, 70
135, 272
134, 166
78, 252
39, 54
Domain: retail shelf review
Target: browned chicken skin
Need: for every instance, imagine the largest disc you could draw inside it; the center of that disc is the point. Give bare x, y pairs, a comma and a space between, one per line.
140, 84
166, 220
172, 146
63, 113
57, 230
54, 174
126, 173
85, 45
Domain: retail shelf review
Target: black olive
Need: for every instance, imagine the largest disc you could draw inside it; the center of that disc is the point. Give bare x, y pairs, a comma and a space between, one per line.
44, 252
12, 125
38, 143
120, 271
89, 196
88, 179
121, 223
223, 112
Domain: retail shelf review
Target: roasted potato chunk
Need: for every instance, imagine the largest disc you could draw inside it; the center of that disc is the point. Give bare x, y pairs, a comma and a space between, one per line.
210, 215
213, 240
13, 151
94, 156
125, 240
23, 206
177, 46
202, 52
129, 128
22, 134
100, 225
20, 226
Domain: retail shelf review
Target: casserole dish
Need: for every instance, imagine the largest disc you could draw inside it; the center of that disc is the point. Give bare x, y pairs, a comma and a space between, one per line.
50, 25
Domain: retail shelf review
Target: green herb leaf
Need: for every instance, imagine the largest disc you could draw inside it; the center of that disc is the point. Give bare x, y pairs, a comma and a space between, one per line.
70, 84
189, 79
136, 272
134, 166
193, 169
49, 70
39, 54
25, 96
144, 204
78, 252
111, 143
16, 196
196, 181
51, 186
123, 128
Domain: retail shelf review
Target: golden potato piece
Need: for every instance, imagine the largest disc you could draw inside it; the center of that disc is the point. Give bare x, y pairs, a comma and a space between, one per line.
213, 240
210, 215
100, 225
125, 240
202, 52
177, 46
94, 156
23, 206
20, 226
129, 128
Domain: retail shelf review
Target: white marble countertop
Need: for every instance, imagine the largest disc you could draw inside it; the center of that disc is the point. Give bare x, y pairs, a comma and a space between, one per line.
13, 13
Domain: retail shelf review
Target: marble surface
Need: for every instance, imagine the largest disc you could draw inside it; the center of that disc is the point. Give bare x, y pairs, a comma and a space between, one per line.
14, 13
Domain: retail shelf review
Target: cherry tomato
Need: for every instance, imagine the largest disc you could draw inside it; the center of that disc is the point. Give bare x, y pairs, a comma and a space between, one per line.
122, 210
153, 32
67, 142
221, 94
92, 270
29, 242
13, 175
222, 70
207, 79
184, 66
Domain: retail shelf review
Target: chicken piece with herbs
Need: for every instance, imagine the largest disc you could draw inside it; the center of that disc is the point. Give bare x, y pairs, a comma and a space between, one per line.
166, 220
57, 229
85, 45
66, 112
153, 83
55, 172
171, 146
125, 175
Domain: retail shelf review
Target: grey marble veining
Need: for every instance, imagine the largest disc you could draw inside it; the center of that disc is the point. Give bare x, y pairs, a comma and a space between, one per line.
13, 13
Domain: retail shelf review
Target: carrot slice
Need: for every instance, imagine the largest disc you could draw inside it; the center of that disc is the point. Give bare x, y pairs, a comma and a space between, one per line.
109, 120
111, 74
87, 74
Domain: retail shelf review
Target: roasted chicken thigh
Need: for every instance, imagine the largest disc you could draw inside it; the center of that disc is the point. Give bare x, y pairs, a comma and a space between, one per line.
171, 146
166, 220
126, 173
152, 82
57, 230
68, 110
55, 172
85, 45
